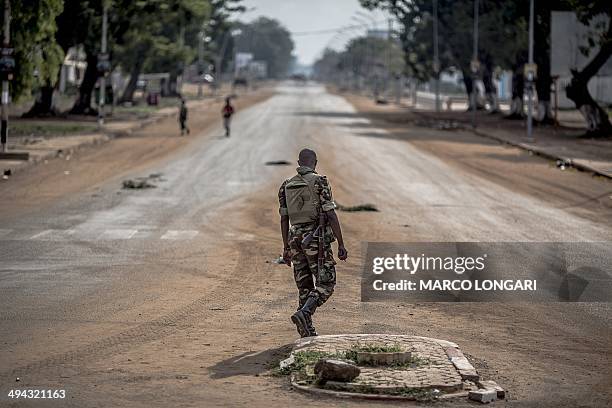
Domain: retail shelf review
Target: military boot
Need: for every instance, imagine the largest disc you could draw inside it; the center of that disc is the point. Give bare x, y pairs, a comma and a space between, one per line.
311, 329
303, 318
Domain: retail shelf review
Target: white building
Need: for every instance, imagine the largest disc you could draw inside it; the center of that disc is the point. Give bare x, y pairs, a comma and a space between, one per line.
568, 36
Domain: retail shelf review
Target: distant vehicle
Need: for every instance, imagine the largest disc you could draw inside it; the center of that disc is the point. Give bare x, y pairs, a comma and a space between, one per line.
298, 77
241, 82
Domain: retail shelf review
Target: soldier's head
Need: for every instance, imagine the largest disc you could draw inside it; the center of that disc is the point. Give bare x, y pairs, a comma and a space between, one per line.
307, 158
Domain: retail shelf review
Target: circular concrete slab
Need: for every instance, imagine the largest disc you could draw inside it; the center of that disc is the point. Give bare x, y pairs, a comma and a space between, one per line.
437, 368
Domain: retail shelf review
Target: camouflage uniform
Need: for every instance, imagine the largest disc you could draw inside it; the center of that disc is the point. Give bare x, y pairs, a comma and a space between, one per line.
305, 259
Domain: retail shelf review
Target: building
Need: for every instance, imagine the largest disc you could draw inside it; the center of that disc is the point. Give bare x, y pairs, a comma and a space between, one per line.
568, 36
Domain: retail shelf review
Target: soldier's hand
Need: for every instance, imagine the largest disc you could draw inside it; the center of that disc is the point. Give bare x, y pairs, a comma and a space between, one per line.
342, 253
287, 256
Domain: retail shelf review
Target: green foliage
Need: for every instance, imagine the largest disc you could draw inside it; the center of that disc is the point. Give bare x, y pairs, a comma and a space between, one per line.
37, 54
43, 129
502, 32
155, 36
377, 348
269, 41
363, 56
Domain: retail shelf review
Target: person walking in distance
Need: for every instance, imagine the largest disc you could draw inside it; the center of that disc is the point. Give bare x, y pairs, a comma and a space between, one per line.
227, 112
183, 117
309, 225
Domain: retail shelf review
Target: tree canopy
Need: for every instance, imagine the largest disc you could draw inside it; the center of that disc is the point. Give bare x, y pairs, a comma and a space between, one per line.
268, 41
37, 53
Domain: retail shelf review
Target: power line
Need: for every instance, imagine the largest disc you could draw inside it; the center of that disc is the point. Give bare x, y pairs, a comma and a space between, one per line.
332, 30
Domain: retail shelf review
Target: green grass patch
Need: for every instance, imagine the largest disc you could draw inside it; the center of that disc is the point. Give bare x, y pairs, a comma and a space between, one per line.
377, 348
50, 128
305, 360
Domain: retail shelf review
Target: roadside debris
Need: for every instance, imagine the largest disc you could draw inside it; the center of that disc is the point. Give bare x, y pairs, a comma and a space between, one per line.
286, 363
142, 182
335, 370
355, 208
563, 164
277, 163
439, 124
7, 173
483, 395
279, 260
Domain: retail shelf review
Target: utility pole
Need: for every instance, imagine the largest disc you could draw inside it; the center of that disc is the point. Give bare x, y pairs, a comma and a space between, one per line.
103, 64
436, 60
475, 66
200, 61
5, 75
530, 73
388, 56
7, 69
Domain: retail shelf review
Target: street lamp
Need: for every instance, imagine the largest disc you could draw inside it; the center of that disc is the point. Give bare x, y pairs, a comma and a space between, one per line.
369, 57
8, 64
530, 73
103, 64
202, 38
436, 60
475, 65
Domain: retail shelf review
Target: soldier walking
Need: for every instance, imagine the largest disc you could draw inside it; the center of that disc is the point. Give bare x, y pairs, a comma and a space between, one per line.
309, 225
183, 117
227, 112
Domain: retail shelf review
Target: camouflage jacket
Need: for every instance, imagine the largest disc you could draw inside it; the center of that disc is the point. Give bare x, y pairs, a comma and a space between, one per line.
323, 189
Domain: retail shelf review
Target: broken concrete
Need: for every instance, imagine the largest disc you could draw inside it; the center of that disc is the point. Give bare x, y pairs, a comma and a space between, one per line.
335, 370
483, 395
492, 385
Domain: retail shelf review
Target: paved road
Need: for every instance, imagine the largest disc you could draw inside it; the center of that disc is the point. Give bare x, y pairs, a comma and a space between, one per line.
96, 276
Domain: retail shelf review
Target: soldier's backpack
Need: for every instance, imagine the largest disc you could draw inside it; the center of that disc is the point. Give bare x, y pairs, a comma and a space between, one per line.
302, 199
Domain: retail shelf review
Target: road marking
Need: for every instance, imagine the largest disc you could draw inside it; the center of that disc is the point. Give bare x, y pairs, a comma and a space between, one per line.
118, 234
178, 234
52, 234
109, 234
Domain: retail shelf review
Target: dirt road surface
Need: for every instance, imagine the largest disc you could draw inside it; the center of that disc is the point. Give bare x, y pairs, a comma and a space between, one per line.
168, 297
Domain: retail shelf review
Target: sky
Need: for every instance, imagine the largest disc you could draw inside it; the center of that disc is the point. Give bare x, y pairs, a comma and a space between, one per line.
312, 15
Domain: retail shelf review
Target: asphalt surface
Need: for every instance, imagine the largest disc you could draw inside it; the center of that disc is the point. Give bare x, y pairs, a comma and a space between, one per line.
94, 275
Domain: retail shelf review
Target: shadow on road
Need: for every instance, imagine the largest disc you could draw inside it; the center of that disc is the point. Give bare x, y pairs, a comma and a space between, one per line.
250, 363
404, 126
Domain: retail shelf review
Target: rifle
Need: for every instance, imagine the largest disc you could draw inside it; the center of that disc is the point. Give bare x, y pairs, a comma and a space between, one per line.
319, 233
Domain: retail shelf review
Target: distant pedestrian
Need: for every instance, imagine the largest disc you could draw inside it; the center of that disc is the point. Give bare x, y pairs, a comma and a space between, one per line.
227, 112
183, 117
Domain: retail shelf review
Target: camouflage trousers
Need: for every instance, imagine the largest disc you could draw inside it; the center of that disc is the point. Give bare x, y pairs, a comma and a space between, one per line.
311, 282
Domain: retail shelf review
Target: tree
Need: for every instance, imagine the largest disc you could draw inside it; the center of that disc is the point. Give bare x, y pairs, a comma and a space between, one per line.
598, 14
499, 23
326, 67
222, 45
155, 40
371, 58
268, 41
37, 55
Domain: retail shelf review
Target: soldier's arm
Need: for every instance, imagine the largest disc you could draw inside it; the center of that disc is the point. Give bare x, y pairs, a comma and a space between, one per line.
285, 230
328, 206
334, 223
